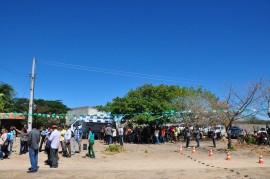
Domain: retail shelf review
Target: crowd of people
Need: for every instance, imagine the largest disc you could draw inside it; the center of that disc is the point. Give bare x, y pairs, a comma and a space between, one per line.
152, 134
52, 138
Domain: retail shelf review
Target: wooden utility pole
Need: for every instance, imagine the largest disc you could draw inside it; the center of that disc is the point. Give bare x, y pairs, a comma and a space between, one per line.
30, 112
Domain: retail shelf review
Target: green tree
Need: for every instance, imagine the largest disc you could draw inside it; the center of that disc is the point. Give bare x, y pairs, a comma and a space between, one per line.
1, 102
6, 99
156, 104
43, 107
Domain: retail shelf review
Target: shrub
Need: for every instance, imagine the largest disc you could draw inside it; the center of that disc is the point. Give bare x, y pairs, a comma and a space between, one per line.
113, 148
250, 140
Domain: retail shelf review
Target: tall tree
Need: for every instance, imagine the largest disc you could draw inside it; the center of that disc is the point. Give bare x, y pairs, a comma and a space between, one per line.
149, 104
195, 103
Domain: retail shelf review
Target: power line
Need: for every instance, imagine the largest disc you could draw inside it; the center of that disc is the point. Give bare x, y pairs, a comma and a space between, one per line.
12, 71
116, 72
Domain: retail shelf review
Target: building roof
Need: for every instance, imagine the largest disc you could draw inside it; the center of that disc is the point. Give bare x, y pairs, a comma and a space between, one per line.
14, 116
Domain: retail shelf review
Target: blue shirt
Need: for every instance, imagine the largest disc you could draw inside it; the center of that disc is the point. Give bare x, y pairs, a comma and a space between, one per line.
44, 132
12, 134
91, 136
78, 134
48, 142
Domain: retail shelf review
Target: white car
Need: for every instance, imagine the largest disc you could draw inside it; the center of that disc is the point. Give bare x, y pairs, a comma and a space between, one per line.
221, 129
181, 127
262, 130
205, 130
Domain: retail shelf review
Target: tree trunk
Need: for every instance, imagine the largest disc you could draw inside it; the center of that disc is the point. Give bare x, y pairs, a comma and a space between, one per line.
229, 140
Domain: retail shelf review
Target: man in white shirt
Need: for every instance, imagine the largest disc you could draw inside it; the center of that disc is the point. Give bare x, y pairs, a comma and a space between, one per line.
120, 135
55, 140
66, 142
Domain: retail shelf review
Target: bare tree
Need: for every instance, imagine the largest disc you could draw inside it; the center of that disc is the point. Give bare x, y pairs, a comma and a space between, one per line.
265, 92
237, 104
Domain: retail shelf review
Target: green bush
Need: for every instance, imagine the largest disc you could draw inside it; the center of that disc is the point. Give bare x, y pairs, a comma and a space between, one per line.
250, 140
233, 148
113, 148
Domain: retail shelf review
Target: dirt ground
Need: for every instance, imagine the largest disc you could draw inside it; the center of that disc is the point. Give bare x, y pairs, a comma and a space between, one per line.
148, 161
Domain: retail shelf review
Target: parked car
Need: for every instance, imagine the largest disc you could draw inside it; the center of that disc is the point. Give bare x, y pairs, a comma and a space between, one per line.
182, 126
236, 132
220, 129
205, 130
262, 130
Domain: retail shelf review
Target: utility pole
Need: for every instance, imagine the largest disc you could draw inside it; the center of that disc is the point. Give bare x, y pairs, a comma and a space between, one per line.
30, 112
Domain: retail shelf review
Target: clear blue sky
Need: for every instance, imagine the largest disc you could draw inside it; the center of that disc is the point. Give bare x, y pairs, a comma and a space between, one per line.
199, 43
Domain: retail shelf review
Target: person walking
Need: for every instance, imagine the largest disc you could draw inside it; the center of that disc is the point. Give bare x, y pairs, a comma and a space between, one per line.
34, 138
91, 139
67, 143
55, 140
77, 139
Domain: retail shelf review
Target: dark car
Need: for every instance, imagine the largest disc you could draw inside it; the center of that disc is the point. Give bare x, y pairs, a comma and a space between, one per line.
235, 132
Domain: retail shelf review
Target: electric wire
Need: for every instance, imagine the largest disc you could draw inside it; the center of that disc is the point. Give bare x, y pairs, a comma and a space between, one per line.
116, 72
12, 71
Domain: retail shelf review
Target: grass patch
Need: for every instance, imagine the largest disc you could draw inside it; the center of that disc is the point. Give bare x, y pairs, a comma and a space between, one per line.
233, 148
114, 148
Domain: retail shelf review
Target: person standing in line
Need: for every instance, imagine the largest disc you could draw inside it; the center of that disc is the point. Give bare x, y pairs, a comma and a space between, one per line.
62, 132
214, 137
197, 137
67, 143
113, 135
187, 137
91, 139
44, 132
156, 133
120, 135
175, 133
55, 140
77, 139
162, 136
108, 132
34, 138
